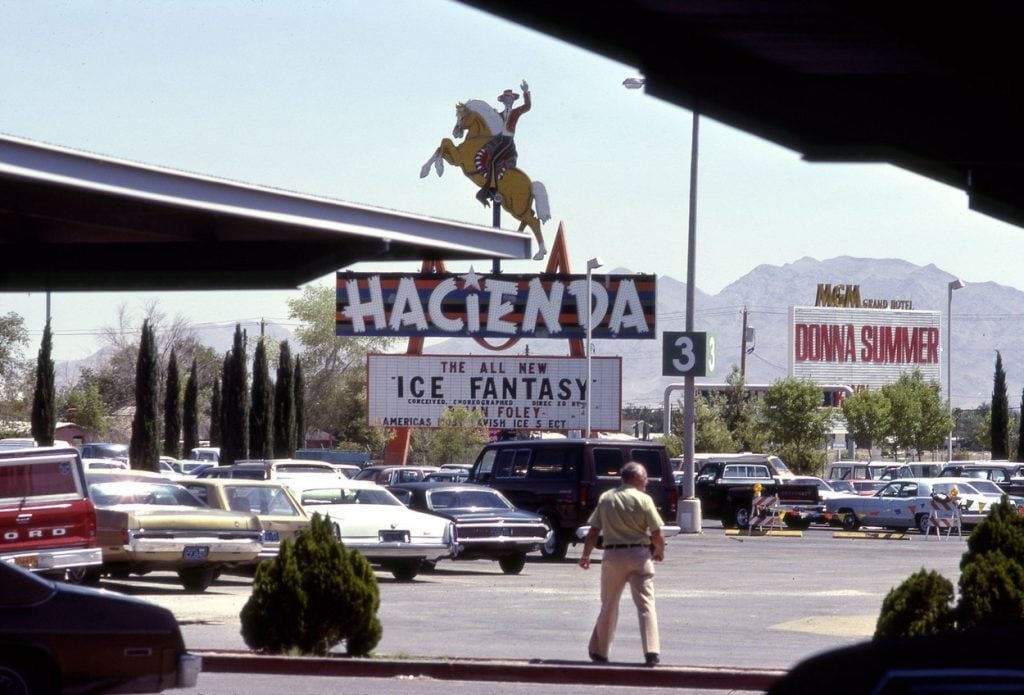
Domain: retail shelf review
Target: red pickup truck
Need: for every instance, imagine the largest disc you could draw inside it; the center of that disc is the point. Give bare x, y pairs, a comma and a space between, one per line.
47, 521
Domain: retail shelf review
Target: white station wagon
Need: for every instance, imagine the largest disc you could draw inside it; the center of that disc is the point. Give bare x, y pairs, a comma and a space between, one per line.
368, 518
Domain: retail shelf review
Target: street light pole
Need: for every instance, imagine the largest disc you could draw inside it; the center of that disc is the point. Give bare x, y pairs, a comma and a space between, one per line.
592, 264
953, 285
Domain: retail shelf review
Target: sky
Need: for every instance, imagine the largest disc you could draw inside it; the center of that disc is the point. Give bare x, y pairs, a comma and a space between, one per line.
348, 98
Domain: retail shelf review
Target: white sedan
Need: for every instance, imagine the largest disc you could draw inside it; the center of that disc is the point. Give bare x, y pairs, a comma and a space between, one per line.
909, 502
368, 518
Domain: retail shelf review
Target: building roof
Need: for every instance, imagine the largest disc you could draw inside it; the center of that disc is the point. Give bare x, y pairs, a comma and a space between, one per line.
71, 220
931, 88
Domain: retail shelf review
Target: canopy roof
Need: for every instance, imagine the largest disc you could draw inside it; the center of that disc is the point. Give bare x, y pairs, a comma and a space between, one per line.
76, 221
929, 87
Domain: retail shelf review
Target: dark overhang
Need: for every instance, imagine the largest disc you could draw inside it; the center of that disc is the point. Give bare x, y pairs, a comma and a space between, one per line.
76, 221
933, 88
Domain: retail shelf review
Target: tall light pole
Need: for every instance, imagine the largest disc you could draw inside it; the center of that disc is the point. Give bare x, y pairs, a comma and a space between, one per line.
953, 285
592, 264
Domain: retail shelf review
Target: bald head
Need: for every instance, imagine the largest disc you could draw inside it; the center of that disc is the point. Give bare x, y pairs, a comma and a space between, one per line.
634, 474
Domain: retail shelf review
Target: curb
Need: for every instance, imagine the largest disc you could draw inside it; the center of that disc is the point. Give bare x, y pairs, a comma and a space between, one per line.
533, 671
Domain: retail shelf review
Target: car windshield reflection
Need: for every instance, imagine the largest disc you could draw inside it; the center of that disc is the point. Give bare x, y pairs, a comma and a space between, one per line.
135, 492
466, 499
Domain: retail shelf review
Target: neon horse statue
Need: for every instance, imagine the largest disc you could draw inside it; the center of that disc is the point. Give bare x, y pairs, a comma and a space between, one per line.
515, 192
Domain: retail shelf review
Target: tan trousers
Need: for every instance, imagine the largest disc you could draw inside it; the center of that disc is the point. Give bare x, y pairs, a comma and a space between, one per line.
620, 566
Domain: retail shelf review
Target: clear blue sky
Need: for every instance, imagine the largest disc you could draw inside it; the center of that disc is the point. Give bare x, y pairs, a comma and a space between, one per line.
347, 99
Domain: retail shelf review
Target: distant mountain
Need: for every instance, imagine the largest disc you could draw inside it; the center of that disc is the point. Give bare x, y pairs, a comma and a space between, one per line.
986, 317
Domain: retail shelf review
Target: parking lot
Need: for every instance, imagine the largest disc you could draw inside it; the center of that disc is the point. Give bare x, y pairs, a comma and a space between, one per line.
723, 601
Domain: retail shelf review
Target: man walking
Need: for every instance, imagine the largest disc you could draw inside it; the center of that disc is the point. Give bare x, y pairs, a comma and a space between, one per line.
631, 525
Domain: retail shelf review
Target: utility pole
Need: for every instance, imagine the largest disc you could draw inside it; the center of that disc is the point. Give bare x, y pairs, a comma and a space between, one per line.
743, 347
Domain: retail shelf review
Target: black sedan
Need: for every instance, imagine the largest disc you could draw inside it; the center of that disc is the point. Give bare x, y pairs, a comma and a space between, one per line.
57, 638
488, 526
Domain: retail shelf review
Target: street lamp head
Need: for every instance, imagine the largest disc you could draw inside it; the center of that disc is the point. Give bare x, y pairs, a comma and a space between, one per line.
594, 263
956, 284
634, 82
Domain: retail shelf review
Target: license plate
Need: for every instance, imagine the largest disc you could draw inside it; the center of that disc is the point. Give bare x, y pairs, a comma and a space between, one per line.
394, 536
27, 561
196, 552
271, 536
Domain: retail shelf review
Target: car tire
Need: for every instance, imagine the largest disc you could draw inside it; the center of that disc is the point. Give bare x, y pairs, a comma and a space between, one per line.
26, 676
512, 564
87, 576
923, 523
405, 571
197, 579
850, 522
795, 521
741, 516
556, 545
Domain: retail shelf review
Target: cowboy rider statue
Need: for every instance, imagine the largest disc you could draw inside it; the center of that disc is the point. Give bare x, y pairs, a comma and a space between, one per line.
500, 153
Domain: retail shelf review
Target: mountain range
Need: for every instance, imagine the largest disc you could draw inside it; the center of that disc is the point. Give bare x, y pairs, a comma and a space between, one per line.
987, 317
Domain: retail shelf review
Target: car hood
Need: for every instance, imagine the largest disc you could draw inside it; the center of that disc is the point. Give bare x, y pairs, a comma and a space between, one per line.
489, 515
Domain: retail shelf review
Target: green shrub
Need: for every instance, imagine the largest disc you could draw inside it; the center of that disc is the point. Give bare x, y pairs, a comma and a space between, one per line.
921, 605
313, 596
991, 592
1002, 530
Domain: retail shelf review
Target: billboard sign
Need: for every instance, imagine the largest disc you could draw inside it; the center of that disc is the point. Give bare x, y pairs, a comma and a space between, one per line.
863, 348
516, 392
473, 305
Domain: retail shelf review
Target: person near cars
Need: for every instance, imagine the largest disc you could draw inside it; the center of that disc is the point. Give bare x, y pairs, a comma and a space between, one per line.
629, 522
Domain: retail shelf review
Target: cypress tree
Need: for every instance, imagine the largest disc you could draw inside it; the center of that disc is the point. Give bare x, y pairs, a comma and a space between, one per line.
261, 410
44, 406
1000, 413
300, 406
172, 409
144, 451
284, 405
235, 403
190, 411
215, 413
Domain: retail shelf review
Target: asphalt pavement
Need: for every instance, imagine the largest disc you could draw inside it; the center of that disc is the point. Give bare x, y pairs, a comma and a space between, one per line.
736, 611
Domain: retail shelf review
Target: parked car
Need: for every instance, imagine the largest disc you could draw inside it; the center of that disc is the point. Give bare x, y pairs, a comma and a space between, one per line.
488, 526
104, 450
1008, 476
907, 503
280, 514
368, 518
273, 469
447, 475
47, 521
561, 479
393, 475
58, 638
205, 453
149, 523
826, 490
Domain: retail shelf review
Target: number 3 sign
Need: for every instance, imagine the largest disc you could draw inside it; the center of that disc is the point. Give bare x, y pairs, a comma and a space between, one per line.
687, 354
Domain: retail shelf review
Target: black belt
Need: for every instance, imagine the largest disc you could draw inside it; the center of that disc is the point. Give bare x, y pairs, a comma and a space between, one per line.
625, 545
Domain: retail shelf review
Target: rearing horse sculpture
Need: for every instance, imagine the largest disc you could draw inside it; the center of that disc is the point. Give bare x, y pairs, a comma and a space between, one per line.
515, 192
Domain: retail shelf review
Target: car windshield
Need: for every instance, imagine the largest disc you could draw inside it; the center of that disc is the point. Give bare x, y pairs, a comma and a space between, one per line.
842, 486
139, 492
342, 495
466, 499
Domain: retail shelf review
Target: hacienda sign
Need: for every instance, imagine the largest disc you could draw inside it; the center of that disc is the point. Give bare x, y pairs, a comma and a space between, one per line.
472, 305
519, 392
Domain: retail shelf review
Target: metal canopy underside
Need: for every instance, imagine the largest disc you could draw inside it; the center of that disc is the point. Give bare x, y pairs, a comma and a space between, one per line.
929, 87
76, 221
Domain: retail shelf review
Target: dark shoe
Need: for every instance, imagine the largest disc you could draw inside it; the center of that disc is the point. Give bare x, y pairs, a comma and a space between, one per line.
651, 659
598, 659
